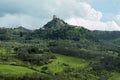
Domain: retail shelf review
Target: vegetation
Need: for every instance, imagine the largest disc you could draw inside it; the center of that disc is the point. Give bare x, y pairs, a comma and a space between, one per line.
59, 51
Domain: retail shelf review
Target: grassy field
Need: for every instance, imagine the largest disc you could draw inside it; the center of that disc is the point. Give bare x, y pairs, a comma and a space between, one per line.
4, 52
59, 64
56, 66
14, 70
115, 76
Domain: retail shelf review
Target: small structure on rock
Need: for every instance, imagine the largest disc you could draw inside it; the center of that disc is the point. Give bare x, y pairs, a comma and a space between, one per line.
54, 16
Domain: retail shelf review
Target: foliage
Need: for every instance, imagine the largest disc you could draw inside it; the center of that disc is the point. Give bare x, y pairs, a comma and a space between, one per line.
29, 55
108, 63
58, 51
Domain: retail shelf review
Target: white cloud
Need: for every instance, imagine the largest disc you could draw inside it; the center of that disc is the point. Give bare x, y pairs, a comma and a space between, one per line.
94, 25
89, 13
80, 9
117, 19
9, 20
16, 20
91, 19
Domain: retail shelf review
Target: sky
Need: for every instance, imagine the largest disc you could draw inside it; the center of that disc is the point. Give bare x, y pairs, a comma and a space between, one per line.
33, 14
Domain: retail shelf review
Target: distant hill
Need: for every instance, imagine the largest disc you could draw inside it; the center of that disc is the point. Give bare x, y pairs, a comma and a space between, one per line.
107, 35
21, 29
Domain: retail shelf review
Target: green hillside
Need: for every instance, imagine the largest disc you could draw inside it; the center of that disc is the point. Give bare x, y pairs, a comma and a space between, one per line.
62, 61
14, 70
59, 51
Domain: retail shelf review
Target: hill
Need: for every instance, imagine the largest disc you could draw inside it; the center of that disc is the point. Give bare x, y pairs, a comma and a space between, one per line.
59, 51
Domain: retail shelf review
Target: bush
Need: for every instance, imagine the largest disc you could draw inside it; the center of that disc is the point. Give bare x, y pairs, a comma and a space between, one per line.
26, 55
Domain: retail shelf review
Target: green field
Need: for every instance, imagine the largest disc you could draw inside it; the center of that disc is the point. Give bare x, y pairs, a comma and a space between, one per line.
56, 66
115, 76
59, 64
14, 70
4, 52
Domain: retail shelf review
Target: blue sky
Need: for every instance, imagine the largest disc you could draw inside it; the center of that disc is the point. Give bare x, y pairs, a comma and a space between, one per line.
33, 14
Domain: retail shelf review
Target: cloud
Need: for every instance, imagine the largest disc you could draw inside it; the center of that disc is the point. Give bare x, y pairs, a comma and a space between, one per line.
34, 14
117, 19
80, 9
92, 20
28, 21
89, 13
94, 25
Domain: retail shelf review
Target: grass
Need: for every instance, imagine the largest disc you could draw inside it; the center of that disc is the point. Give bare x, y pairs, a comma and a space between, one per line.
115, 76
73, 62
4, 52
57, 65
14, 70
